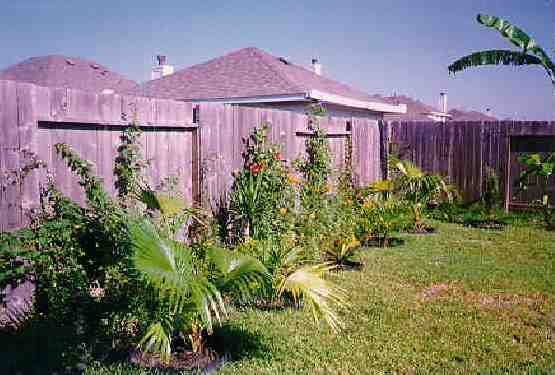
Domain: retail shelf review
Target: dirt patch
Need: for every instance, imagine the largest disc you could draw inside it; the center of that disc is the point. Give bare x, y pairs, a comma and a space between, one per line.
434, 291
181, 360
536, 304
505, 301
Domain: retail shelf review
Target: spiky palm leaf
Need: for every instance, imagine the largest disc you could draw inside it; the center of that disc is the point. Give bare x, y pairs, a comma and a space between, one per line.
238, 273
530, 52
168, 266
323, 297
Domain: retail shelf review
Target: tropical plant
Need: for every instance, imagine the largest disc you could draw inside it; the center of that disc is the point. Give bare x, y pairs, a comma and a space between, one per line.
379, 219
188, 290
492, 196
261, 188
383, 189
530, 52
542, 167
295, 275
341, 251
418, 188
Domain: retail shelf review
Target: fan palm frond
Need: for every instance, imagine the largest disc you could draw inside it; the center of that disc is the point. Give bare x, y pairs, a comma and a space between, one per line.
321, 295
238, 272
157, 339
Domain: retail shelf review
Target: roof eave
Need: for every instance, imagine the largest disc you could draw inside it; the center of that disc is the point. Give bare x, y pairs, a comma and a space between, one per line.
253, 99
354, 103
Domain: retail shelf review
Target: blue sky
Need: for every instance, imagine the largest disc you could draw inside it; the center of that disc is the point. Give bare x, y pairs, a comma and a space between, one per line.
382, 47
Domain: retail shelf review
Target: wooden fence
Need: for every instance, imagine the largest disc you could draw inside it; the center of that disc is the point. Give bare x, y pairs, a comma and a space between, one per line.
201, 155
462, 152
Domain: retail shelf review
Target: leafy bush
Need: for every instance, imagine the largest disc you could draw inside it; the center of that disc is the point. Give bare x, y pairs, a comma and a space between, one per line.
543, 168
316, 166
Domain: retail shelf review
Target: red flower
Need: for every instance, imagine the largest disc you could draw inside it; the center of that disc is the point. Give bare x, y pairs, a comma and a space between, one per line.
255, 169
279, 156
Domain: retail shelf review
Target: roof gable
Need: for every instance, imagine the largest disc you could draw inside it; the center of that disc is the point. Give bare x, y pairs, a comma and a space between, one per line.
70, 72
249, 72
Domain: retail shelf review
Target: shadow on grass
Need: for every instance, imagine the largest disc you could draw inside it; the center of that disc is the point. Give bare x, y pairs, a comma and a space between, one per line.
383, 243
37, 349
236, 343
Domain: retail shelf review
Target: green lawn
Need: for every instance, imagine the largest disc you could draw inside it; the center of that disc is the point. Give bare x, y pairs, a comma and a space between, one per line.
461, 301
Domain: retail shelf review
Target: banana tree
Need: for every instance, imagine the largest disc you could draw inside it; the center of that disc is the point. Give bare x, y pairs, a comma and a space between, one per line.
529, 53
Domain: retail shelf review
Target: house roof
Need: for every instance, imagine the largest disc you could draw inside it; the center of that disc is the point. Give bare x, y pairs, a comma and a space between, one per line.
70, 72
416, 111
248, 73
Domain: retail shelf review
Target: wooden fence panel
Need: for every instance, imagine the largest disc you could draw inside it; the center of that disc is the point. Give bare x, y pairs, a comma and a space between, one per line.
463, 151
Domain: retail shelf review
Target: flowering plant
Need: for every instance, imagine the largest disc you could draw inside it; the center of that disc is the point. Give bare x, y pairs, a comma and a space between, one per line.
261, 188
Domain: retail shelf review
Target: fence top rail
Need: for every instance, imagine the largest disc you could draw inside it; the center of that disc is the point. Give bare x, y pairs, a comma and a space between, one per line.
122, 123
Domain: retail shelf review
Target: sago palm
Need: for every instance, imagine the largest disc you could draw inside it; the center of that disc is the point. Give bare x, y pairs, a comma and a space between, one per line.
190, 295
418, 188
304, 281
529, 53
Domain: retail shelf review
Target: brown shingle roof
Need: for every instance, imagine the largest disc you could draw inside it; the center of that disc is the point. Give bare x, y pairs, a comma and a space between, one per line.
245, 73
70, 72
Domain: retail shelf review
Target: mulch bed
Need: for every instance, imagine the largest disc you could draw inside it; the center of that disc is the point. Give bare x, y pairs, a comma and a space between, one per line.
351, 266
422, 231
486, 224
180, 360
380, 241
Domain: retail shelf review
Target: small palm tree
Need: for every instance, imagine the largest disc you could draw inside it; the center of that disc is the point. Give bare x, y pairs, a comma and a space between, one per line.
187, 293
530, 53
418, 188
307, 283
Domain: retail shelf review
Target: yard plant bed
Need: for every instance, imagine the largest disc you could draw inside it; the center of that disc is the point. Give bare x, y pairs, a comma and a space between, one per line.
381, 241
490, 224
423, 230
433, 305
182, 360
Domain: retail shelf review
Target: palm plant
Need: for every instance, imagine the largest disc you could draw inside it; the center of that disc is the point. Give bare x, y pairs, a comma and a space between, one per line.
248, 202
341, 252
418, 188
187, 293
294, 275
530, 52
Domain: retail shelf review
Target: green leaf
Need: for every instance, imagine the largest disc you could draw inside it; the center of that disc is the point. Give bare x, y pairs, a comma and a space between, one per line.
493, 57
320, 295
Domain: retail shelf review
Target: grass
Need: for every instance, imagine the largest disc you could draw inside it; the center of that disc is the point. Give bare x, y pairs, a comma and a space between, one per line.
461, 301
464, 300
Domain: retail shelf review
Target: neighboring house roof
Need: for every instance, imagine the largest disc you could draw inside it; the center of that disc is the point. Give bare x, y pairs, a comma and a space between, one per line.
70, 72
253, 73
417, 110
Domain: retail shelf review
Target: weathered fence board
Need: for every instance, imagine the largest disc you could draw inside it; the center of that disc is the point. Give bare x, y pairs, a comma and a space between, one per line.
463, 151
202, 156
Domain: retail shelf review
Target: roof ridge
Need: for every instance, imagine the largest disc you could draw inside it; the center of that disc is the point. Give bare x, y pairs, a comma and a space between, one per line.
263, 57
